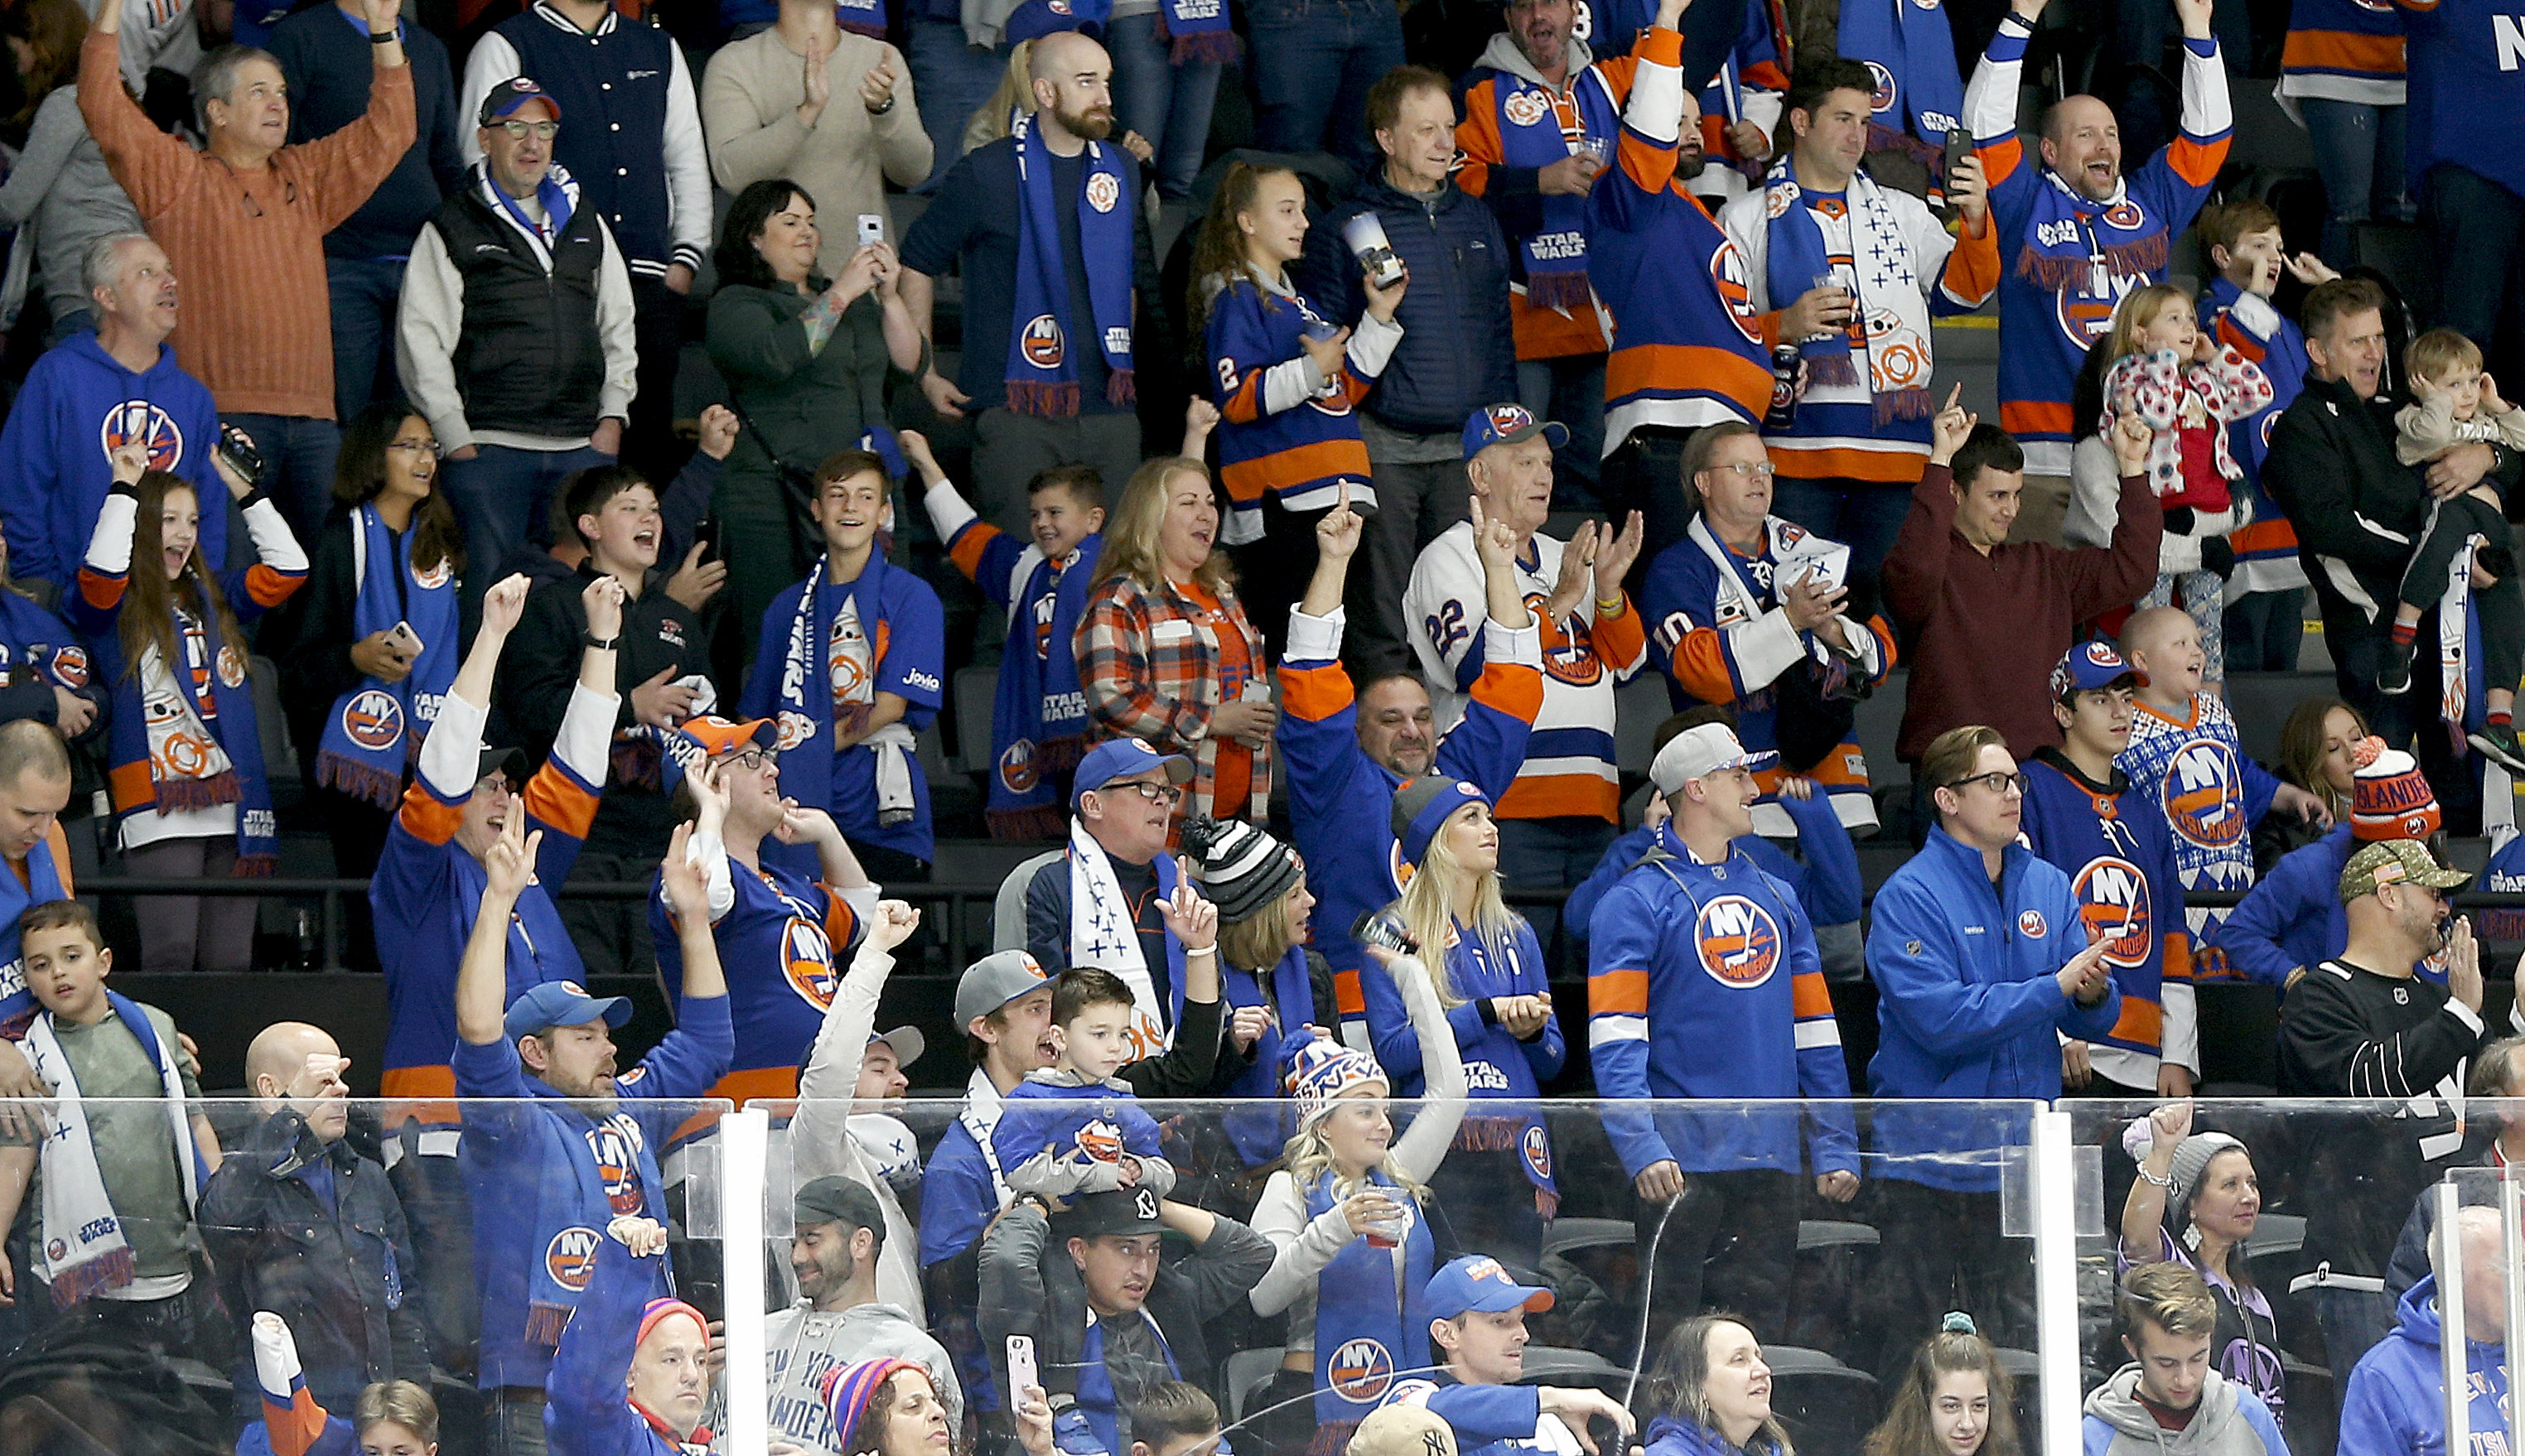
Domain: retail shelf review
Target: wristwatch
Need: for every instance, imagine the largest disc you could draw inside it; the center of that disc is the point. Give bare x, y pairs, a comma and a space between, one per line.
600, 644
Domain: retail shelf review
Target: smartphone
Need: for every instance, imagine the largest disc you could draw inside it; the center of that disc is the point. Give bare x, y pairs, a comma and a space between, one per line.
1959, 147
871, 228
706, 536
242, 456
404, 640
1021, 1367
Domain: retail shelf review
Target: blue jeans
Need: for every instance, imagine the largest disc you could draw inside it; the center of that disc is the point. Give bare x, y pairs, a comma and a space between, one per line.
2479, 230
1570, 390
1860, 514
1166, 102
501, 497
2265, 631
298, 457
2358, 153
952, 78
363, 293
1313, 62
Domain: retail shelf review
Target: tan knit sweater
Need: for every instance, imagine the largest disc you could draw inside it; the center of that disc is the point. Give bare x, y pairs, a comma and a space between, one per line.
749, 99
248, 251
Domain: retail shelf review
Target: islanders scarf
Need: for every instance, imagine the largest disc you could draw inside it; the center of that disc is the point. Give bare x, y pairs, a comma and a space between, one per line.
1199, 30
1367, 1334
1039, 716
2069, 241
1797, 252
1533, 134
805, 715
376, 727
1914, 55
194, 760
594, 1170
82, 1249
1043, 375
44, 883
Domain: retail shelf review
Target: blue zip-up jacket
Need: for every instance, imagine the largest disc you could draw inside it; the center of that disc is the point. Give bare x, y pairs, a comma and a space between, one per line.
1967, 1005
1704, 980
56, 452
1458, 350
585, 1410
531, 1261
1827, 882
2396, 1401
1488, 1420
2293, 918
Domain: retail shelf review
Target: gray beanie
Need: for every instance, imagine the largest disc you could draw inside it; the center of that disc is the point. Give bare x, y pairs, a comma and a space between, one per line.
2192, 1158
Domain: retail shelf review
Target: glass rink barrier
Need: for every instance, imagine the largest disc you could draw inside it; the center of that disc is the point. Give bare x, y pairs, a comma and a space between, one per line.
306, 1273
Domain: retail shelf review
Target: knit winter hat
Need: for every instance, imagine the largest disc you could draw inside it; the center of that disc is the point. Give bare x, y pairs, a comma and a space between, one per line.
1324, 1069
2192, 1158
1244, 871
658, 1311
848, 1389
2391, 799
1422, 804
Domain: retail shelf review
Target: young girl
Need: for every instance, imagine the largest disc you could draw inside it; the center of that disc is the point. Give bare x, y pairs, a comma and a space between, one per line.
2162, 368
1285, 379
1955, 1400
187, 776
1489, 977
2194, 1203
1346, 1211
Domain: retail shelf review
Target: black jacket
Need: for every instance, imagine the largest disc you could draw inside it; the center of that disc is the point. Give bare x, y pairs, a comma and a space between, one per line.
343, 1277
540, 667
1459, 351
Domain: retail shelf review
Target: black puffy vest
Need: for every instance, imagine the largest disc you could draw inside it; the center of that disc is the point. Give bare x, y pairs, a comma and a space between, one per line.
530, 359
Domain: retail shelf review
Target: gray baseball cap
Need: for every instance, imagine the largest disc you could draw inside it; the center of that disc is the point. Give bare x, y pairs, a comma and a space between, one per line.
993, 982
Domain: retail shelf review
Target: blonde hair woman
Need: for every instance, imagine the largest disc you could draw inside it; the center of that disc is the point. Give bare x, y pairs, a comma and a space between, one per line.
1165, 650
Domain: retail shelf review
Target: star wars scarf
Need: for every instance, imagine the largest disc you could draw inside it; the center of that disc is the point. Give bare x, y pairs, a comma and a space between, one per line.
1910, 47
1532, 134
1798, 251
1043, 372
1039, 716
376, 727
81, 1247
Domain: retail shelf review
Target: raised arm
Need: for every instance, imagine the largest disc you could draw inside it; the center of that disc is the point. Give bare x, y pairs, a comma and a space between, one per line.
483, 975
2144, 1211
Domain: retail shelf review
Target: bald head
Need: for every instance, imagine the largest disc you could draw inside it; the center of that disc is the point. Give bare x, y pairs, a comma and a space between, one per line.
1072, 80
2163, 644
295, 1066
2082, 143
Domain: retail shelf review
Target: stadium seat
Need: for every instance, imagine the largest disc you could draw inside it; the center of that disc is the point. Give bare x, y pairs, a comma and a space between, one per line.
1008, 908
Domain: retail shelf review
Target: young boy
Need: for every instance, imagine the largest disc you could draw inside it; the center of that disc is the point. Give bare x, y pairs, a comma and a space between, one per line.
116, 1184
850, 664
1074, 1127
2459, 405
2265, 623
2086, 816
2185, 755
1176, 1418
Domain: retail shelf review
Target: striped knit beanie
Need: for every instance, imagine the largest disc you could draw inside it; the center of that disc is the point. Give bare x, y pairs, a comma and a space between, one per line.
658, 1311
1324, 1069
2391, 799
1244, 871
848, 1389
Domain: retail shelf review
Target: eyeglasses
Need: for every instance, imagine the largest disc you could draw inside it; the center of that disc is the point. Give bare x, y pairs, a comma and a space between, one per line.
1166, 793
539, 130
754, 758
1744, 472
430, 448
1996, 783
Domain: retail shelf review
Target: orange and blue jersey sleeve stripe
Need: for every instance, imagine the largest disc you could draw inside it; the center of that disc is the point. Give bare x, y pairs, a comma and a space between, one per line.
1621, 642
1971, 274
266, 587
559, 800
987, 554
1478, 148
841, 922
1652, 123
426, 817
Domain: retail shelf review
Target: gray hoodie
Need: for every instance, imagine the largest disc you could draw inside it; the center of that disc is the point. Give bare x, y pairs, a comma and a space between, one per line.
2230, 1421
802, 1344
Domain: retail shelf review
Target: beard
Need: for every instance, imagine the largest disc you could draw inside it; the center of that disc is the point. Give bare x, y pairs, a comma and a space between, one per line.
1095, 125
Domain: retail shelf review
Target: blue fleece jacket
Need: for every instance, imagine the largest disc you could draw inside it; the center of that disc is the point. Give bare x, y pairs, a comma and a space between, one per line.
2395, 1402
1827, 881
1459, 351
56, 452
2293, 918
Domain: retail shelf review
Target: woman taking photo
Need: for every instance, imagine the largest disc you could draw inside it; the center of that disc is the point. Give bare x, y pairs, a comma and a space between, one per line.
1166, 653
1346, 1211
1711, 1393
805, 359
1953, 1400
189, 795
2318, 746
1490, 978
1286, 380
2196, 1202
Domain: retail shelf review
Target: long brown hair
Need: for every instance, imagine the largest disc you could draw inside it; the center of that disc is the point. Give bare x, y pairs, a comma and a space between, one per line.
1218, 248
2301, 748
1679, 1382
53, 31
359, 476
147, 618
1131, 536
1957, 1349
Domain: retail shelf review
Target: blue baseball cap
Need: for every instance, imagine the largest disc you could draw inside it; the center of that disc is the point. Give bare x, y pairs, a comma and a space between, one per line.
1121, 757
504, 99
562, 1004
1507, 424
2091, 666
1477, 1282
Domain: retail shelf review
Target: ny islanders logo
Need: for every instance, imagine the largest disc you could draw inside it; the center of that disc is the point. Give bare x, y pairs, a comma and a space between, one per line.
1881, 100
1738, 941
2113, 905
2086, 315
373, 719
139, 419
1567, 658
1727, 272
1360, 1372
617, 1164
571, 1257
2202, 798
1042, 343
1016, 767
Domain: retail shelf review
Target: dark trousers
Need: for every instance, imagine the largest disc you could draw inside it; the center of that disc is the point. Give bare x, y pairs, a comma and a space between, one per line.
1861, 515
1010, 449
298, 455
1489, 1206
1646, 475
1415, 503
517, 1421
888, 866
1570, 390
1943, 1250
2479, 230
2265, 631
1271, 572
1311, 64
363, 292
658, 325
503, 499
1729, 1243
612, 935
358, 829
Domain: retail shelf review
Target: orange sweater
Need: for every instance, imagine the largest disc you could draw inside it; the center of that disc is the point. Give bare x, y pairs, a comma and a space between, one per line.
249, 251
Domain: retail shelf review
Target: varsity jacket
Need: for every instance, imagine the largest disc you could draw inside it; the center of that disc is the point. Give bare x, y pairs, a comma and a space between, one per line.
510, 337
2228, 1421
78, 406
1587, 111
2112, 840
2343, 50
427, 888
2211, 794
1341, 802
2396, 1399
2461, 54
1691, 348
585, 1410
1967, 1003
1823, 876
1913, 271
1458, 352
2347, 1032
2068, 260
1285, 430
1704, 982
1718, 633
2246, 322
634, 131
545, 1176
1569, 768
